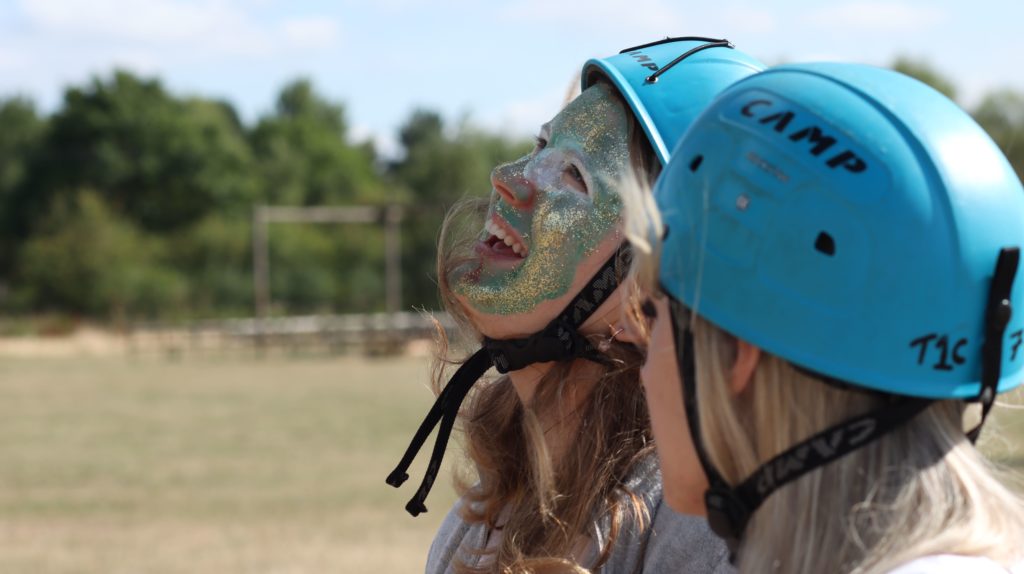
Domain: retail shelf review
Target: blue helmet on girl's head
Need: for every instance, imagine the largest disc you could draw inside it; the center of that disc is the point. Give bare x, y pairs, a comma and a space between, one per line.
858, 224
849, 219
669, 82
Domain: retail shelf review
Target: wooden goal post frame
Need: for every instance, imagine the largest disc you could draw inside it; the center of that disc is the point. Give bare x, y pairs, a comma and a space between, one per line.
389, 216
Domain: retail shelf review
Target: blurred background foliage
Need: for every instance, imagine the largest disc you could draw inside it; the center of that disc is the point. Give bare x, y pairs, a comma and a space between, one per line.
131, 203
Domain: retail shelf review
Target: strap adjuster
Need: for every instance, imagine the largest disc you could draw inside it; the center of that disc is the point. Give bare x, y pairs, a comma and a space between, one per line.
558, 341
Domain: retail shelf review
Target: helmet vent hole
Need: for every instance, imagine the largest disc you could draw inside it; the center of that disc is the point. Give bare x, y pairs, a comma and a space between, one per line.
825, 244
696, 162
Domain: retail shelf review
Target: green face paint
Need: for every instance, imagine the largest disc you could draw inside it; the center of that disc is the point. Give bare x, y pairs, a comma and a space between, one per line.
554, 206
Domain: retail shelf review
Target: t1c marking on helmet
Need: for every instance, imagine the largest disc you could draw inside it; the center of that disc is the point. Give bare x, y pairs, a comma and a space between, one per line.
780, 120
818, 448
644, 60
940, 342
1018, 337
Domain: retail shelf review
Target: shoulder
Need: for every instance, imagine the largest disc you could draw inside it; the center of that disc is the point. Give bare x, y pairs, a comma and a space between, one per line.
671, 542
955, 564
684, 543
644, 481
449, 538
632, 528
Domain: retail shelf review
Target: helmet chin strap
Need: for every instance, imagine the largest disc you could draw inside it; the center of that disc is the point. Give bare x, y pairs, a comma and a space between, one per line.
729, 508
560, 340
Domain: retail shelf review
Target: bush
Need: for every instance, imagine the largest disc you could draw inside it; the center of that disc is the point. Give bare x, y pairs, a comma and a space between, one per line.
84, 258
216, 256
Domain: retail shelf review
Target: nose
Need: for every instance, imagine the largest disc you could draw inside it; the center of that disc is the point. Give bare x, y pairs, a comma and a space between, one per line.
512, 185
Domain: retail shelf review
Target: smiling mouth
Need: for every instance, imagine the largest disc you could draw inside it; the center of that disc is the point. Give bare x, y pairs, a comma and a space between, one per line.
503, 242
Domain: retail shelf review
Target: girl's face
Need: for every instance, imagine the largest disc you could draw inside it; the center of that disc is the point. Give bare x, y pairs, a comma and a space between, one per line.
552, 222
684, 479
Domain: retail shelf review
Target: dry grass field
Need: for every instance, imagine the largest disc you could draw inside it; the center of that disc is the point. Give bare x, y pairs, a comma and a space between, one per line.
118, 466
232, 466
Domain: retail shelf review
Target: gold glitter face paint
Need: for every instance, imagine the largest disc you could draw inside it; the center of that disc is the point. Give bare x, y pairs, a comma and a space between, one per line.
550, 210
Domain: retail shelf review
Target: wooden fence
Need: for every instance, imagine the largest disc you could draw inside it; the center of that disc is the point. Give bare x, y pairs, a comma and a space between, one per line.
371, 333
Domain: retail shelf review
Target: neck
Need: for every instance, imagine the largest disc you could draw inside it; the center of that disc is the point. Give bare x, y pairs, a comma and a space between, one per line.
559, 421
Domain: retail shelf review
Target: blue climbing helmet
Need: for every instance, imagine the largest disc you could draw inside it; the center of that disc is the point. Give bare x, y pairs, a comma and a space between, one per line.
669, 82
849, 219
858, 224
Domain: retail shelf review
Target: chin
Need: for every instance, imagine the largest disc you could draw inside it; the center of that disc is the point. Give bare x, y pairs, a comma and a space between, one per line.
496, 325
513, 326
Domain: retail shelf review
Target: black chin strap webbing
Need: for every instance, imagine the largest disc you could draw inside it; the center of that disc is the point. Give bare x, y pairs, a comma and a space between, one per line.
444, 410
997, 317
559, 341
730, 508
687, 374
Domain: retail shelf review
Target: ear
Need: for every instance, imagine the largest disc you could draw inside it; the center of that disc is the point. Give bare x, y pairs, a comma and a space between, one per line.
747, 357
630, 328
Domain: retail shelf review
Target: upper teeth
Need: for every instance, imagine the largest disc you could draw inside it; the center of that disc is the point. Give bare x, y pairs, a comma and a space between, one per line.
506, 237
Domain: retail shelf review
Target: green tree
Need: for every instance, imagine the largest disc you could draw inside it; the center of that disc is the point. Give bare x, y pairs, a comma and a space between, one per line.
304, 156
438, 169
86, 259
358, 260
302, 278
20, 139
162, 162
925, 72
215, 254
1001, 113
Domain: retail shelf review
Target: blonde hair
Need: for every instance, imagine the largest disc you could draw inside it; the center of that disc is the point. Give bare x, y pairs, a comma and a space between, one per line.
546, 509
922, 489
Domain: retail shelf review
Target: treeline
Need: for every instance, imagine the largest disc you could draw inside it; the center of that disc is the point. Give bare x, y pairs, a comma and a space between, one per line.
131, 203
1000, 112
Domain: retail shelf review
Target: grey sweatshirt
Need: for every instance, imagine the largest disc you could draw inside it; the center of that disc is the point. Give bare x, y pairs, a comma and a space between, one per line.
674, 543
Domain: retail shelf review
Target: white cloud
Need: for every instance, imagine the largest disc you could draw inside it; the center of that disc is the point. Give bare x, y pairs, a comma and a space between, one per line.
11, 60
524, 117
387, 145
206, 24
195, 45
871, 16
66, 41
139, 20
642, 17
310, 33
397, 7
138, 62
746, 19
811, 56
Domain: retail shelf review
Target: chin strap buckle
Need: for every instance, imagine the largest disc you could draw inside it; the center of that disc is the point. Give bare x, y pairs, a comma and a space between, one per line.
557, 342
998, 312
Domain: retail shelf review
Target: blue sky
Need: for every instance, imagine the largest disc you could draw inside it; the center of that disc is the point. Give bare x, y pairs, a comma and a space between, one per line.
507, 64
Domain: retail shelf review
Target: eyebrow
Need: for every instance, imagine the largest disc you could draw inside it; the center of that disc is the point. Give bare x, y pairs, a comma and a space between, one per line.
545, 129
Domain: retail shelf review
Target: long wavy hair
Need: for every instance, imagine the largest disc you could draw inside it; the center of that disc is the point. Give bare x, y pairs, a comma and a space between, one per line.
920, 490
545, 509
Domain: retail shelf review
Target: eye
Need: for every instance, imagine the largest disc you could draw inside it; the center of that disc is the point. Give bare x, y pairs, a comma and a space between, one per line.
539, 144
575, 178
